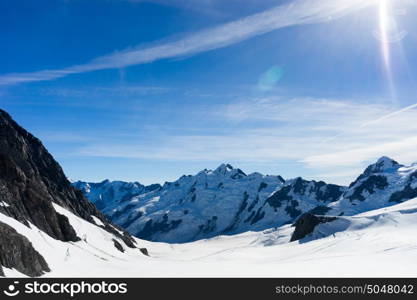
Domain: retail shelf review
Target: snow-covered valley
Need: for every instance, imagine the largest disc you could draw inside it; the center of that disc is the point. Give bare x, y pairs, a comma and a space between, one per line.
377, 243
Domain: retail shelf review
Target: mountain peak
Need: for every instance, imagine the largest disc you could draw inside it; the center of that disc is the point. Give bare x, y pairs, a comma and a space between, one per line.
383, 164
228, 169
386, 159
223, 168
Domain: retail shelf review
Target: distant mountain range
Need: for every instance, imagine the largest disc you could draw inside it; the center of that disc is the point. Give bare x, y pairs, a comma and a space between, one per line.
228, 201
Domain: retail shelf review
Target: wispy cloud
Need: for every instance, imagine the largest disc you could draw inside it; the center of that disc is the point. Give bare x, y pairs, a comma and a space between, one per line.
297, 13
283, 132
401, 147
101, 91
212, 7
392, 134
202, 6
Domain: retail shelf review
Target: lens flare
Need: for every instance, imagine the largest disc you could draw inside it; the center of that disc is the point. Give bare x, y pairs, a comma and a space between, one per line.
385, 27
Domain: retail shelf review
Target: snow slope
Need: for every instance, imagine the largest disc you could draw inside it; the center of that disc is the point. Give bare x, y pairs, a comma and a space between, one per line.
377, 243
95, 254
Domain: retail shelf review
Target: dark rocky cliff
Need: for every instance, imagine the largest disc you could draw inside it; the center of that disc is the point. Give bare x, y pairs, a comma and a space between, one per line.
31, 180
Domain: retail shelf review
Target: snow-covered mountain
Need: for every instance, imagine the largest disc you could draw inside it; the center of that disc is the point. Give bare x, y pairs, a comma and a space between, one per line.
382, 184
193, 207
108, 193
223, 201
227, 201
41, 213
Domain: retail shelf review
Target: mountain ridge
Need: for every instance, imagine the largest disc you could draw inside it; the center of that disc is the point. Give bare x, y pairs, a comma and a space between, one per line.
239, 200
155, 215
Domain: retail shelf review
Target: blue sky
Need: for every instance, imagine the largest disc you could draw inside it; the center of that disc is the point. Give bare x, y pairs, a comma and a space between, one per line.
150, 90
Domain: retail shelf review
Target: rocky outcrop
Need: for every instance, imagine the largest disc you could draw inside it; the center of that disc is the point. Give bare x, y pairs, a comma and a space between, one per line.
17, 252
299, 195
144, 251
118, 246
306, 225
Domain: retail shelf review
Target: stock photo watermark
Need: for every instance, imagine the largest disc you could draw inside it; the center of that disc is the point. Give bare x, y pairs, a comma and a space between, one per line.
61, 288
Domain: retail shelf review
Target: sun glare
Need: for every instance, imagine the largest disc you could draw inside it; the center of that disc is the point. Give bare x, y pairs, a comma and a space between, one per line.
384, 28
383, 18
383, 35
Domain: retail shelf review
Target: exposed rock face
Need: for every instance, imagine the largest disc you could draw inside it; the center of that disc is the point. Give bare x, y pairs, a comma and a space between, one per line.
118, 246
299, 196
17, 252
306, 225
144, 251
31, 180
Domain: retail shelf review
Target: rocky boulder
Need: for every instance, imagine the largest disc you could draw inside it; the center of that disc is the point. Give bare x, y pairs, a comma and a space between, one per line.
306, 225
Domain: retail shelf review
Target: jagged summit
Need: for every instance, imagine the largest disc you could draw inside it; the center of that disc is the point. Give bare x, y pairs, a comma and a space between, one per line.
228, 169
383, 164
223, 168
